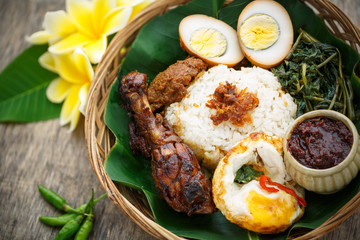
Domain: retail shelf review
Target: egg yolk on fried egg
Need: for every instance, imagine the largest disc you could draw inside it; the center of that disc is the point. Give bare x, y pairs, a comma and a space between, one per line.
269, 211
248, 204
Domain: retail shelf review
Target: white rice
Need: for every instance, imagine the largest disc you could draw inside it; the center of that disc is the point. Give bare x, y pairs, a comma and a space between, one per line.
191, 117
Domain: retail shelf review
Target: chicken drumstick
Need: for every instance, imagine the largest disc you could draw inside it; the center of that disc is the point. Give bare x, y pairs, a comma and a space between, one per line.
175, 169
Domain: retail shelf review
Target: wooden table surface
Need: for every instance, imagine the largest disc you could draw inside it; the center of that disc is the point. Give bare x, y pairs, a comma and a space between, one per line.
45, 153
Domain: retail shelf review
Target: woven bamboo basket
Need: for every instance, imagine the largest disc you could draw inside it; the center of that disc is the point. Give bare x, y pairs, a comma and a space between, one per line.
99, 139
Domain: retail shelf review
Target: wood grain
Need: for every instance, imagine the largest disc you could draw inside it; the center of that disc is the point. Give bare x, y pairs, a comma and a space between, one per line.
45, 153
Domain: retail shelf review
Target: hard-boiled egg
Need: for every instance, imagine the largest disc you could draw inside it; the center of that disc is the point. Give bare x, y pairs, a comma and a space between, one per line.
265, 33
210, 39
247, 203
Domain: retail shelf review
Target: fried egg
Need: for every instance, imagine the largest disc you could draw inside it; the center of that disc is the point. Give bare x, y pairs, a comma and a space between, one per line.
249, 205
265, 33
210, 39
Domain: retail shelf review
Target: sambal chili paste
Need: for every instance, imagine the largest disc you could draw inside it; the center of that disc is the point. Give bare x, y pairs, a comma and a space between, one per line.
232, 104
320, 142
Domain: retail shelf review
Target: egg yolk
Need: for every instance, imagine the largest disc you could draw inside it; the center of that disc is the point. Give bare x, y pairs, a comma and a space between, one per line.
270, 212
259, 31
208, 42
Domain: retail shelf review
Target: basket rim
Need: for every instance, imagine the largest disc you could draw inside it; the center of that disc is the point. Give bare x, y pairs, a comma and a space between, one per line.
95, 157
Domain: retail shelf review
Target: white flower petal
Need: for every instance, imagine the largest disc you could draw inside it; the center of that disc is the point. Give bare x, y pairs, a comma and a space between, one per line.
101, 9
69, 43
74, 120
82, 13
82, 62
47, 61
96, 49
137, 5
140, 6
116, 19
59, 24
128, 3
70, 109
83, 97
74, 68
57, 90
40, 37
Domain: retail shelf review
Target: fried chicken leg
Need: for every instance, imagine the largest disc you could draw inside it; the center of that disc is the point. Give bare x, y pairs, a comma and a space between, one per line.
175, 169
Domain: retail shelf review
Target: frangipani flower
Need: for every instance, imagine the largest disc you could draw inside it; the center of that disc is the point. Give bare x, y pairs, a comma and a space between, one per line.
87, 24
137, 5
77, 37
57, 25
94, 20
72, 86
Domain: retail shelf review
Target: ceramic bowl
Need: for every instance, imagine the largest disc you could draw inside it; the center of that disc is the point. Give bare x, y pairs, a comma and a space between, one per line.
329, 180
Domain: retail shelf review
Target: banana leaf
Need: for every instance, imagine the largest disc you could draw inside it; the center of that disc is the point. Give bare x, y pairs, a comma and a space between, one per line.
23, 85
155, 48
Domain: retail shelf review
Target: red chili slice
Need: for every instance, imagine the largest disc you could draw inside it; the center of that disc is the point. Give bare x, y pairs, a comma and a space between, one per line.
264, 179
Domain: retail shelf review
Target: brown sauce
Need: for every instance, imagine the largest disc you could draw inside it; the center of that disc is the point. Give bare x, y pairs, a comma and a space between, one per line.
232, 105
320, 142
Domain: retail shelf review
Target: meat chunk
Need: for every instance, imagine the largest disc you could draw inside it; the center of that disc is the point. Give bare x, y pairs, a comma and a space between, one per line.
138, 144
175, 169
169, 86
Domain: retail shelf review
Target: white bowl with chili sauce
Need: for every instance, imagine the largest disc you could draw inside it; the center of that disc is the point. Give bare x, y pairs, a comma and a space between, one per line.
330, 179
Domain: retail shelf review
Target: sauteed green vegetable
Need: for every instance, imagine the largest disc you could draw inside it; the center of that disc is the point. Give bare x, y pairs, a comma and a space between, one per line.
312, 74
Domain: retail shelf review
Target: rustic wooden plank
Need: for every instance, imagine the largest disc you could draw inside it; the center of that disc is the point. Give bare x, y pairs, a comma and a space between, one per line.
45, 153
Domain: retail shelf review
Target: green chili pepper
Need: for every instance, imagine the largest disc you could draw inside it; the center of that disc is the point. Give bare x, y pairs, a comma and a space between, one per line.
58, 221
56, 200
85, 229
87, 225
72, 226
63, 219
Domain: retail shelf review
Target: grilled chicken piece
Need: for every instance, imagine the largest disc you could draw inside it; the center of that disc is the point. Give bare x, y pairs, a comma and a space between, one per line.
138, 144
175, 170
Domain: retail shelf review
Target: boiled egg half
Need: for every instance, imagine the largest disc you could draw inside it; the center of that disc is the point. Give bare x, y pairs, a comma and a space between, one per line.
248, 204
210, 39
265, 33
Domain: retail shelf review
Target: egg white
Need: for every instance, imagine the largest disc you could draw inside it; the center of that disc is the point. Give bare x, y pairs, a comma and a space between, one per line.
232, 198
274, 54
233, 54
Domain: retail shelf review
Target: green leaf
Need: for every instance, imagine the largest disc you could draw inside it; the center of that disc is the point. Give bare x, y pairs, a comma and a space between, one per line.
253, 236
357, 124
23, 86
216, 5
157, 47
246, 173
